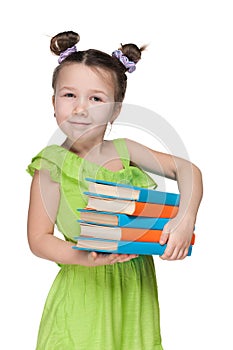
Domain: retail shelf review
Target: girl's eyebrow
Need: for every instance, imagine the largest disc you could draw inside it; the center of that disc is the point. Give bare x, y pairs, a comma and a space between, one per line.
95, 91
66, 88
92, 91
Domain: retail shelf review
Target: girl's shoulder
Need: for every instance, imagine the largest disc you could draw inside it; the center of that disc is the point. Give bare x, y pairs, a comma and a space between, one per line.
130, 150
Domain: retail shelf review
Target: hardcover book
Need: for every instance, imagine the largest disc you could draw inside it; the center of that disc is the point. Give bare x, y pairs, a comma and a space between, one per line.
123, 191
121, 220
121, 247
130, 207
121, 233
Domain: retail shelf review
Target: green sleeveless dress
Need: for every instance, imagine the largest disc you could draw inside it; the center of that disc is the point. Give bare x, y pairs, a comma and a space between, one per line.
112, 307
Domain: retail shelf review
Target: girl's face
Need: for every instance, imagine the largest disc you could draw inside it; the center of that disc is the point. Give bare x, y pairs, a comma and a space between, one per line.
84, 101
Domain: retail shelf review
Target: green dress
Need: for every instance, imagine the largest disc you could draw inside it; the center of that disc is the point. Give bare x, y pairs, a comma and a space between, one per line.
112, 307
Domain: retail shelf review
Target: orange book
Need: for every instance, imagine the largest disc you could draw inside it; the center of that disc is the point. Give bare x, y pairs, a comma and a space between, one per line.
131, 207
122, 233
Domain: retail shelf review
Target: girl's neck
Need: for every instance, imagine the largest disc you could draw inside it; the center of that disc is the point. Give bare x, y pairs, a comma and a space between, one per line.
103, 153
86, 149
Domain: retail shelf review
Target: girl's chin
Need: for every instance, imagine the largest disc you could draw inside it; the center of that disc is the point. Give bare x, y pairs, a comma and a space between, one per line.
87, 135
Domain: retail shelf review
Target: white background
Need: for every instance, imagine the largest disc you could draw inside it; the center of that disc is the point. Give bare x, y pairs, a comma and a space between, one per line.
186, 77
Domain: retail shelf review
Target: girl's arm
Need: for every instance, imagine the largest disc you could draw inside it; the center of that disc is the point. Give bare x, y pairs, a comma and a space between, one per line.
177, 233
43, 207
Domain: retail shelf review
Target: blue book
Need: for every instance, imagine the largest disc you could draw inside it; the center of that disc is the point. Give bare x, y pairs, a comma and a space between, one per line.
120, 247
110, 189
121, 220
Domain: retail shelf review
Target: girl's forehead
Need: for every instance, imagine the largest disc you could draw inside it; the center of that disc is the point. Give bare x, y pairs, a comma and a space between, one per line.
84, 77
76, 72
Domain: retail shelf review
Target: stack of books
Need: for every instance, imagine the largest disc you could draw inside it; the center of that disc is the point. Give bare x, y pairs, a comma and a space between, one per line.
125, 219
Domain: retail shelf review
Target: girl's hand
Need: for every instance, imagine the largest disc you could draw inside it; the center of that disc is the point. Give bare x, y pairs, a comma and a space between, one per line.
97, 259
177, 233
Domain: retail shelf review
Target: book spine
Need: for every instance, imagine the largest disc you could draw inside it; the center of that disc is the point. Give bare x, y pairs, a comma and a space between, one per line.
141, 222
143, 248
143, 235
153, 196
155, 210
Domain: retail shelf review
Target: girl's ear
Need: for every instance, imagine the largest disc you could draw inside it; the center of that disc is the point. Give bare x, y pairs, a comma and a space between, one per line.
116, 111
53, 101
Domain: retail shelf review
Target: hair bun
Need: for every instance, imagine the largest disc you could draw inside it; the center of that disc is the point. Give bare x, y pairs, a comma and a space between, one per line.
62, 41
132, 51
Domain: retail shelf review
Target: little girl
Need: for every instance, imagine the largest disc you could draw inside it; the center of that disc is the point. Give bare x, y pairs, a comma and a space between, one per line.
99, 301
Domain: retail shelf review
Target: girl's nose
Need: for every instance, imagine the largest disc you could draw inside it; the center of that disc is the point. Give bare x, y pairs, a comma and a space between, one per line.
80, 108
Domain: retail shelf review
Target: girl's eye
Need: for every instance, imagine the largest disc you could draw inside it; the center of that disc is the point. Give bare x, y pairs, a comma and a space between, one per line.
96, 99
69, 94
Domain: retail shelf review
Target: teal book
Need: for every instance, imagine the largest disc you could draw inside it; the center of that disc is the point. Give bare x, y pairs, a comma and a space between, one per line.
120, 247
121, 220
108, 189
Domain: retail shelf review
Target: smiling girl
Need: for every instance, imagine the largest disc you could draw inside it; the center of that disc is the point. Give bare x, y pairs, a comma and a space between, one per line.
99, 301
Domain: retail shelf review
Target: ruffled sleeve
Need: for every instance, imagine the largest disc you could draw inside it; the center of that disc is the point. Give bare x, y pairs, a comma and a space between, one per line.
48, 159
63, 168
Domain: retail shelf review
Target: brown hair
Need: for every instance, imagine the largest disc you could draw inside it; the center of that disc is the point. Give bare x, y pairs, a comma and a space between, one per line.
96, 59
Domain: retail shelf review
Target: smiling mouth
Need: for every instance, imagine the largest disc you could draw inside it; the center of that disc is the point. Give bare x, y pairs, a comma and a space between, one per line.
79, 123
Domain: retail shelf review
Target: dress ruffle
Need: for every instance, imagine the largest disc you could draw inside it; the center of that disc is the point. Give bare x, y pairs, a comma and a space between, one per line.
60, 161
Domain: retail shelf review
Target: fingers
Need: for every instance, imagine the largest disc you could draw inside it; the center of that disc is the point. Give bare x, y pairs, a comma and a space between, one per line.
164, 238
97, 259
114, 258
177, 243
165, 234
174, 253
92, 256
